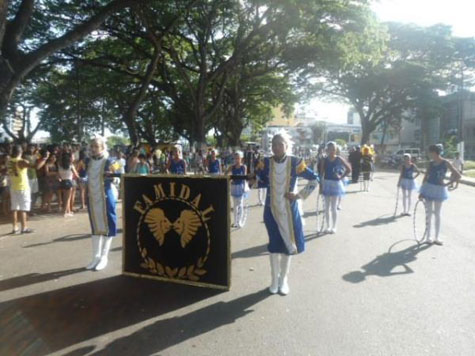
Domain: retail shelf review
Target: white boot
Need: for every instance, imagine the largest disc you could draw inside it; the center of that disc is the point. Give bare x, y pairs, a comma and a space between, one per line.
236, 213
284, 271
274, 270
242, 216
105, 253
96, 251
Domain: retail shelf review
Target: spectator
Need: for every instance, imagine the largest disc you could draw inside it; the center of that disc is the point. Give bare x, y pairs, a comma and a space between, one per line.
31, 157
66, 174
52, 182
142, 166
119, 163
355, 159
4, 191
458, 163
19, 190
82, 177
132, 161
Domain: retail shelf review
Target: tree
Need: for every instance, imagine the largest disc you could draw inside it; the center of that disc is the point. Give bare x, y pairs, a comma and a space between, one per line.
74, 105
181, 67
19, 112
411, 69
209, 49
257, 86
32, 31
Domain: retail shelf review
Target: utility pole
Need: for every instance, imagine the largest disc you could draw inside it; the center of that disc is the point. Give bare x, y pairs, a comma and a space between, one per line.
461, 103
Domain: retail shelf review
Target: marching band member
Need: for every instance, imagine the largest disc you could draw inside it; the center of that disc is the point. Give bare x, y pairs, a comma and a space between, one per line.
407, 182
434, 189
281, 213
238, 189
102, 197
335, 170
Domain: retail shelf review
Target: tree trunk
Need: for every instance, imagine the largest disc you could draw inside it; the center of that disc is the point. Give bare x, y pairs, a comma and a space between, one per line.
383, 138
133, 135
365, 135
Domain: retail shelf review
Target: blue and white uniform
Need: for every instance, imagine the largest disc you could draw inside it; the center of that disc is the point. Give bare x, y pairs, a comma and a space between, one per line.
177, 167
238, 192
238, 185
434, 188
102, 198
281, 216
213, 166
332, 185
407, 181
261, 187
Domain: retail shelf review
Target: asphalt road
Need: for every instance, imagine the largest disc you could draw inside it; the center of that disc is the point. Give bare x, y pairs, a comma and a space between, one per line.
367, 290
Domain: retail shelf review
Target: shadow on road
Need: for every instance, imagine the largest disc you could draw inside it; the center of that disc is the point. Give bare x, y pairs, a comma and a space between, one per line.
382, 220
250, 252
353, 192
67, 238
308, 214
47, 322
33, 278
173, 331
385, 264
257, 251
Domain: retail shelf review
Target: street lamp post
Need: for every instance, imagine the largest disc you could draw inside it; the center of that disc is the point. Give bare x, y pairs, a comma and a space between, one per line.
460, 138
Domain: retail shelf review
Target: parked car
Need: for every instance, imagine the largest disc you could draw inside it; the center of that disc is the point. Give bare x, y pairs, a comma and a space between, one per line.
414, 152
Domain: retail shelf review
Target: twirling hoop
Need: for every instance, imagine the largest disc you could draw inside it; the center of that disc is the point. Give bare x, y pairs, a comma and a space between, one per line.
420, 208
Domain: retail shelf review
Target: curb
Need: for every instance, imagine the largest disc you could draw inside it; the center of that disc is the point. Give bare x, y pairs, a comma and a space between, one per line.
467, 182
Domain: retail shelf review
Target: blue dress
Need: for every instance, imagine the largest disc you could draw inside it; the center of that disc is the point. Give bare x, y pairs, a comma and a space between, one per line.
213, 166
407, 181
177, 167
101, 198
434, 188
281, 216
238, 185
332, 185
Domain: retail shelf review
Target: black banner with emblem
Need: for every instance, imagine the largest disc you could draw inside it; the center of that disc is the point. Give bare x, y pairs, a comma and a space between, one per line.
176, 229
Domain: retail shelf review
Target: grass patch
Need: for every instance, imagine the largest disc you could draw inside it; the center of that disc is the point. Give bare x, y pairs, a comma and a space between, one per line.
470, 173
469, 165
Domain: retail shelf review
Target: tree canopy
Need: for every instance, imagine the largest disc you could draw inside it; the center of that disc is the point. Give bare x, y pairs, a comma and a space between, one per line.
156, 70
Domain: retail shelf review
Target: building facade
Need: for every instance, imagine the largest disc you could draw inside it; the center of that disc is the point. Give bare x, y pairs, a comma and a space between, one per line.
459, 120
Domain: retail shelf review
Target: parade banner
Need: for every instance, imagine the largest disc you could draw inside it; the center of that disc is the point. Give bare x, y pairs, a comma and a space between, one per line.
176, 229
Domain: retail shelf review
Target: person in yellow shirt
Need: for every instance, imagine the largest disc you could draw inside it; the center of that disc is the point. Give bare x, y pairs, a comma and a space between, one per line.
19, 189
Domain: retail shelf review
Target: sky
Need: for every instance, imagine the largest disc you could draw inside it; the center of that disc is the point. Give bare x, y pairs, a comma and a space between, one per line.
460, 14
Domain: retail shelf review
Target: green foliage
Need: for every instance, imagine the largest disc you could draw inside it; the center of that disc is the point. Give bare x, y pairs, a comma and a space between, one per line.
341, 142
450, 147
168, 69
469, 165
117, 140
407, 68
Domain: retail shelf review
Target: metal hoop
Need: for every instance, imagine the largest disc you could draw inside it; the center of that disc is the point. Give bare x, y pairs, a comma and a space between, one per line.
397, 201
420, 239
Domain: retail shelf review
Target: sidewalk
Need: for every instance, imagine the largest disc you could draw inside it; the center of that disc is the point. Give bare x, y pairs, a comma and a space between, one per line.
468, 181
465, 179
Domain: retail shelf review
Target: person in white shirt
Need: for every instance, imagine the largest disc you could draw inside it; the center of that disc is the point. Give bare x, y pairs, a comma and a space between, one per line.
119, 162
458, 163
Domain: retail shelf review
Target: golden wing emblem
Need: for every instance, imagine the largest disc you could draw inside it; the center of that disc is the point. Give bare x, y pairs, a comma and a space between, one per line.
186, 226
158, 224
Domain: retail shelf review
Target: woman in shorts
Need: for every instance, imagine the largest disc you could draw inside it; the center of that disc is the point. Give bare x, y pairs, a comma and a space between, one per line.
66, 174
